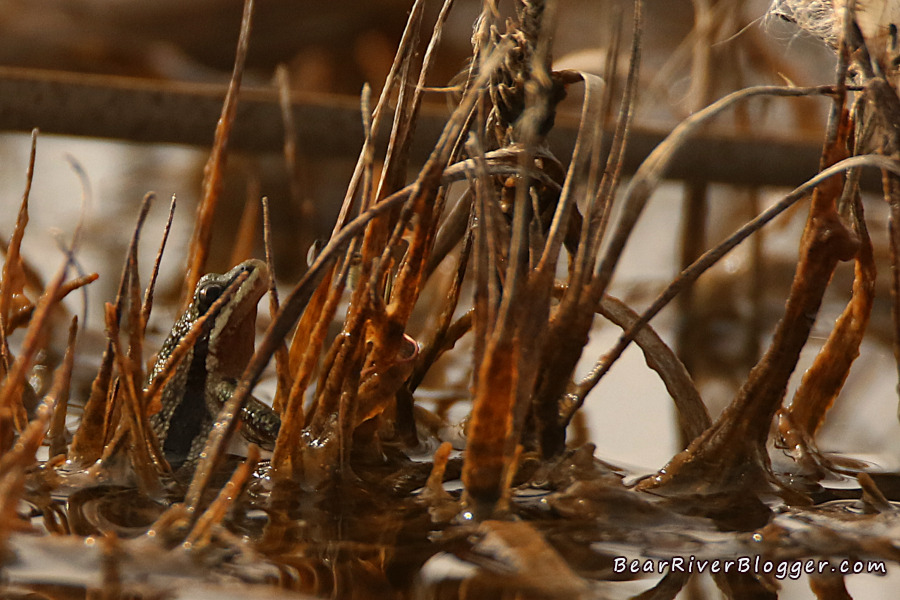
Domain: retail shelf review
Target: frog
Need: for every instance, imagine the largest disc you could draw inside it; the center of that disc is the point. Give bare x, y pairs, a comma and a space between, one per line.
207, 376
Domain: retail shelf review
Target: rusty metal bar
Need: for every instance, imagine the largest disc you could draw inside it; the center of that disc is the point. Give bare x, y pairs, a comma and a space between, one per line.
154, 111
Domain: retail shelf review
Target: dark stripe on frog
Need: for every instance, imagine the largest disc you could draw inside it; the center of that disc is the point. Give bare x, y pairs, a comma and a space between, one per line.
190, 415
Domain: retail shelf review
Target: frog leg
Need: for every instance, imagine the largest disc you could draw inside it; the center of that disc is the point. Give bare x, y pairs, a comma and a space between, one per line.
259, 423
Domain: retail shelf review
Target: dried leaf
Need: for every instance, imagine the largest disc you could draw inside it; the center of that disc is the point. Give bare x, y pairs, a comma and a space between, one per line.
213, 173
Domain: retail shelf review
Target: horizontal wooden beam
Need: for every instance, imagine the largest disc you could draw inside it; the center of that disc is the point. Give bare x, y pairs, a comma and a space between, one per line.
154, 111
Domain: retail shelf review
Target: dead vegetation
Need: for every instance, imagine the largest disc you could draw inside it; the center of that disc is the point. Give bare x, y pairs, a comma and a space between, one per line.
341, 509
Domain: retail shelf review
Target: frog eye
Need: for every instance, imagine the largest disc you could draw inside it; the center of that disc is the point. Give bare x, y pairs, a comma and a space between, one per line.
208, 294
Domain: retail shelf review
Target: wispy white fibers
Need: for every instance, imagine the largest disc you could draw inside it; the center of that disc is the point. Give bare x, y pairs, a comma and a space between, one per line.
823, 18
814, 16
